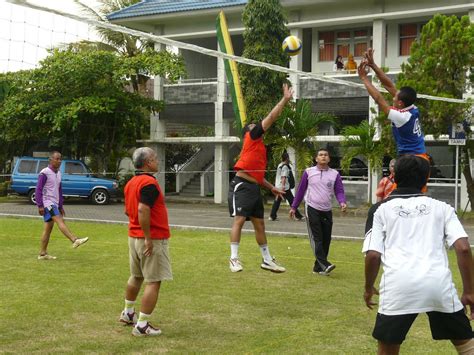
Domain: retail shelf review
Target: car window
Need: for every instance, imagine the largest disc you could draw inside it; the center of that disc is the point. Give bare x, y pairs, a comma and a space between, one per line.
27, 166
42, 164
75, 168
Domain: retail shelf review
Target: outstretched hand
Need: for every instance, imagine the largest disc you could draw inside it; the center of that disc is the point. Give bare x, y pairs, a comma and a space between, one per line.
369, 56
287, 92
362, 69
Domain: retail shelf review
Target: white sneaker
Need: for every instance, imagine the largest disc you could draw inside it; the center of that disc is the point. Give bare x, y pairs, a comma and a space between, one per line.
46, 257
128, 318
272, 266
235, 265
147, 330
79, 241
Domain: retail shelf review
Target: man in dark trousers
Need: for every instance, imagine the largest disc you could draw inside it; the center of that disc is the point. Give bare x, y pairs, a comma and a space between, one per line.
407, 234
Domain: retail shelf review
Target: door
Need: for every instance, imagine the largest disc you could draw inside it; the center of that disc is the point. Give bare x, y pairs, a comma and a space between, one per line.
75, 179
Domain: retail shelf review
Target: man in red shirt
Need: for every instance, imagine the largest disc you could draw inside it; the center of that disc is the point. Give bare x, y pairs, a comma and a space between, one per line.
148, 232
386, 184
245, 200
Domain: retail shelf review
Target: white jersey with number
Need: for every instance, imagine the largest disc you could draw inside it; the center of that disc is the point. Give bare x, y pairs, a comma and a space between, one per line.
412, 232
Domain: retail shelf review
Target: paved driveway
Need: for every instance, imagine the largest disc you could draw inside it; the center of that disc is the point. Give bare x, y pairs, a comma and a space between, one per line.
202, 216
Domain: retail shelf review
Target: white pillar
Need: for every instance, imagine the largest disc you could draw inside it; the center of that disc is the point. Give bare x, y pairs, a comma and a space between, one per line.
296, 62
314, 50
221, 150
378, 44
158, 128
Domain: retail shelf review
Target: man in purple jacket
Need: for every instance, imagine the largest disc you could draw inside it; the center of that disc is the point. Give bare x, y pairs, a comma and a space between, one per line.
318, 184
49, 199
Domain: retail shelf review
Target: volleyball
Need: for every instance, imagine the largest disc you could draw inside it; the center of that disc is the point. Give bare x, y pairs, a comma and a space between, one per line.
291, 45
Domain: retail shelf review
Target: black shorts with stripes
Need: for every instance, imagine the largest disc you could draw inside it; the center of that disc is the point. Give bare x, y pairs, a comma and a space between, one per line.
245, 199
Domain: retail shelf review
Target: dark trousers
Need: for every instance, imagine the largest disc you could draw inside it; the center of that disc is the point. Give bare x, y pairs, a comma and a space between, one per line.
276, 205
319, 230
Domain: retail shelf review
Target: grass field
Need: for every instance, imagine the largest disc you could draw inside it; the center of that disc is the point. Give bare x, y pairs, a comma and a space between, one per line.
71, 305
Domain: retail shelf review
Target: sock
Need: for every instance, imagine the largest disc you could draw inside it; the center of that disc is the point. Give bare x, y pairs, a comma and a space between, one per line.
143, 319
234, 250
465, 349
129, 306
265, 252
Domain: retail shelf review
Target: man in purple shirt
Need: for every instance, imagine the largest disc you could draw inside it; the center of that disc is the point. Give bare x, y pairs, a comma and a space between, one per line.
318, 184
49, 199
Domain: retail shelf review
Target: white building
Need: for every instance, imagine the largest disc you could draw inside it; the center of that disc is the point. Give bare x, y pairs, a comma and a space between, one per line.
327, 28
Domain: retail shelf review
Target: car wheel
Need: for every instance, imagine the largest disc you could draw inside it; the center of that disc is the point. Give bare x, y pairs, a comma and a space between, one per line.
100, 197
32, 196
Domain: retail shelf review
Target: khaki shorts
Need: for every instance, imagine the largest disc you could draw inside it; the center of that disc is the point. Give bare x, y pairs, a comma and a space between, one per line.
154, 268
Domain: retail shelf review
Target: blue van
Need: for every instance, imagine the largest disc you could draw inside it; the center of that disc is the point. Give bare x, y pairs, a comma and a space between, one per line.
77, 180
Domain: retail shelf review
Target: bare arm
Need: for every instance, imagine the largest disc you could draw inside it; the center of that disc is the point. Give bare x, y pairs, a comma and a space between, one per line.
372, 266
144, 220
464, 257
276, 111
384, 79
277, 192
373, 92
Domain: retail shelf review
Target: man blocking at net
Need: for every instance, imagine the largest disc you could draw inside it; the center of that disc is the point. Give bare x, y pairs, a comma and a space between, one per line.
49, 199
148, 232
245, 200
408, 233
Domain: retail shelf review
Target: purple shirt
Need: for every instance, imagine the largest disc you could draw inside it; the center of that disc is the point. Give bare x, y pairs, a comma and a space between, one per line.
317, 186
48, 189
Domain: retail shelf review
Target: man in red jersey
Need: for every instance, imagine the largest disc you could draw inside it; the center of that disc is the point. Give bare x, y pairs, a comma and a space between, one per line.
245, 200
148, 232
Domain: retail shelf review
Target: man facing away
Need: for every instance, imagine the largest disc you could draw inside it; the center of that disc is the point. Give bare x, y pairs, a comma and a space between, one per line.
245, 200
148, 232
408, 233
318, 185
49, 199
282, 183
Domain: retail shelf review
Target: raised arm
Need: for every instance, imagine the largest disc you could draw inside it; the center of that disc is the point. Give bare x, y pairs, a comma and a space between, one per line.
276, 111
384, 79
373, 92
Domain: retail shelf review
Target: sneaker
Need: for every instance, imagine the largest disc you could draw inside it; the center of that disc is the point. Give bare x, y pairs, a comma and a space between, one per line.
272, 266
46, 257
147, 330
79, 241
128, 318
322, 273
329, 268
235, 265
273, 219
301, 219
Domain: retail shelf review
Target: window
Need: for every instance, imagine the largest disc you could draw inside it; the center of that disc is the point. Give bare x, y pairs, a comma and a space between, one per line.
75, 168
42, 164
408, 34
343, 49
326, 46
360, 49
27, 167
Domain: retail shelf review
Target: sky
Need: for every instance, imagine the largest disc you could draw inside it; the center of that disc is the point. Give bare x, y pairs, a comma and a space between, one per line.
26, 34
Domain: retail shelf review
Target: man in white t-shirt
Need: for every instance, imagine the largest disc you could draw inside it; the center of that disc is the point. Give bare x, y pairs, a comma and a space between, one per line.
408, 234
282, 181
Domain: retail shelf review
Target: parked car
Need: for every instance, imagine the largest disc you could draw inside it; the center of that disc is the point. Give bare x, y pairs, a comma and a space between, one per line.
77, 180
357, 167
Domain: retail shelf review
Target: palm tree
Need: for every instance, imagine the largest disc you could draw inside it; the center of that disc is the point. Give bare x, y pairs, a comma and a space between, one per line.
296, 125
359, 141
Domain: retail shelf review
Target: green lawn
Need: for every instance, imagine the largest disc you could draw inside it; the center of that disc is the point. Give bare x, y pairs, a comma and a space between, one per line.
71, 305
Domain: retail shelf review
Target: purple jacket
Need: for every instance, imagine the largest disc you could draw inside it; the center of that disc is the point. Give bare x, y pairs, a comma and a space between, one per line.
317, 186
48, 189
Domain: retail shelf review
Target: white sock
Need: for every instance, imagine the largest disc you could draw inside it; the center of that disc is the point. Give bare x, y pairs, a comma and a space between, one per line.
143, 319
265, 252
234, 250
129, 306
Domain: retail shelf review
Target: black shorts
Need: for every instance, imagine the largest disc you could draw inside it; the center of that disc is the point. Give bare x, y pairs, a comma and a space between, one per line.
245, 199
393, 329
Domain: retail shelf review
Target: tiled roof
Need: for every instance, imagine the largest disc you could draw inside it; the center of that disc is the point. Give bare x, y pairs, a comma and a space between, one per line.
159, 7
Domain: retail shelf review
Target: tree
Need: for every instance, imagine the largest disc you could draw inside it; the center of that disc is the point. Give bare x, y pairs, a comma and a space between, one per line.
264, 23
77, 102
439, 64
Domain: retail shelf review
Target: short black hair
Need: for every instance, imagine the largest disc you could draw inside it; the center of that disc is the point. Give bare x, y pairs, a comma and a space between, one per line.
408, 95
322, 150
285, 156
246, 129
411, 171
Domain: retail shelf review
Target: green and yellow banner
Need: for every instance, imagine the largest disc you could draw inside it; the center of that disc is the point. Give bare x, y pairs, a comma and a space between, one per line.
225, 44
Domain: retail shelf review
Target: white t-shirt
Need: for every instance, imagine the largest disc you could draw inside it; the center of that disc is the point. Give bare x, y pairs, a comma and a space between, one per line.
412, 234
282, 170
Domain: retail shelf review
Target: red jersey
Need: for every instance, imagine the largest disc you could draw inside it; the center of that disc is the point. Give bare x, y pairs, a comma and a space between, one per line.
253, 157
159, 228
385, 187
